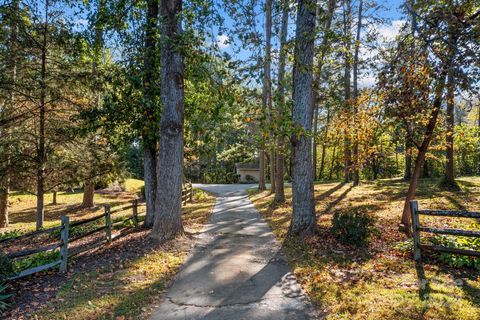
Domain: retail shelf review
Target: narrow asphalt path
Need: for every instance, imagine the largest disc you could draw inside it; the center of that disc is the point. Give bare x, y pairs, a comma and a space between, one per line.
236, 270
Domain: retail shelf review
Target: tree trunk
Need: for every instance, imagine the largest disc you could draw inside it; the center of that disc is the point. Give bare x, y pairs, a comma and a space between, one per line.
41, 151
324, 145
267, 87
261, 172
347, 83
478, 126
54, 198
449, 179
408, 125
356, 164
88, 194
280, 159
150, 128
4, 207
303, 215
332, 163
168, 201
150, 179
425, 171
408, 152
12, 70
318, 76
314, 142
422, 151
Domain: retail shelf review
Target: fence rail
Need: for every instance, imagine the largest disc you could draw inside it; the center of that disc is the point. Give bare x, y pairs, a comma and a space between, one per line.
66, 238
417, 229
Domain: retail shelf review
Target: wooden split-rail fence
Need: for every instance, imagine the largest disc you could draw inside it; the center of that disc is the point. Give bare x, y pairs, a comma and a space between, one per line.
418, 228
66, 238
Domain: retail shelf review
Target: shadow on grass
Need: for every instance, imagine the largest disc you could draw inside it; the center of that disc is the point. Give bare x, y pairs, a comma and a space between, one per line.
335, 202
329, 192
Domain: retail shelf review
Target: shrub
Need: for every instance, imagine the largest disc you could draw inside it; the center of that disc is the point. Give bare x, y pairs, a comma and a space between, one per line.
353, 228
6, 267
250, 179
142, 192
199, 195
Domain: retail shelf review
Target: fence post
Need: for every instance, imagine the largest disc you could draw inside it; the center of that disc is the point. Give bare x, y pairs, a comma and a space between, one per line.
191, 193
108, 224
64, 248
184, 195
416, 236
135, 212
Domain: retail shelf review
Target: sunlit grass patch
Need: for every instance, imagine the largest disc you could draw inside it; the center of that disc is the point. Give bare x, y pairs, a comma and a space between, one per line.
22, 206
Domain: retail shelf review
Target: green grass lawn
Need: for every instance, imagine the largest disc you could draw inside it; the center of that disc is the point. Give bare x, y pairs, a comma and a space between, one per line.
380, 281
22, 206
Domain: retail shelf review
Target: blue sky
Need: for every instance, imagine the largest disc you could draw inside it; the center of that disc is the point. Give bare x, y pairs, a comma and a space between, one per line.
390, 11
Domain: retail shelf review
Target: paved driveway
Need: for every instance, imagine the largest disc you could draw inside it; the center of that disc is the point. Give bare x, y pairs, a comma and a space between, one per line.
237, 269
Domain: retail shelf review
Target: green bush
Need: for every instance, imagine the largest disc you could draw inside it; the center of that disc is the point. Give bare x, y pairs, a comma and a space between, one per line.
353, 228
199, 195
6, 268
142, 191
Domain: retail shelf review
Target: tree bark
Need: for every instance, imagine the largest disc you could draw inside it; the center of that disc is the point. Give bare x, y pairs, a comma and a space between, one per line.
303, 216
478, 126
324, 145
356, 164
4, 207
408, 125
332, 163
449, 178
12, 70
267, 86
422, 151
347, 90
261, 172
150, 135
408, 152
88, 194
280, 158
41, 151
54, 198
314, 142
150, 179
168, 201
331, 5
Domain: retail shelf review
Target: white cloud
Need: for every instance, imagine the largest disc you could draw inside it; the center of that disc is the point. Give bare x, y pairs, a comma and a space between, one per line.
223, 41
389, 31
